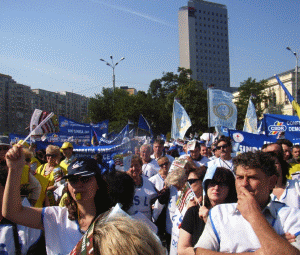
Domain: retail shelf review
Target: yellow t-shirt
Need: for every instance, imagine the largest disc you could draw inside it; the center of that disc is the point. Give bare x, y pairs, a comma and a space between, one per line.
45, 181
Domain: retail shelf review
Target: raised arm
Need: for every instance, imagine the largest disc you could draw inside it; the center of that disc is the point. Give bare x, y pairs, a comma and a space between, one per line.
12, 208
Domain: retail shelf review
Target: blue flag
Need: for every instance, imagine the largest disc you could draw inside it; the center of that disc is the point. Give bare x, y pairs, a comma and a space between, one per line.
221, 110
143, 124
180, 121
250, 124
290, 97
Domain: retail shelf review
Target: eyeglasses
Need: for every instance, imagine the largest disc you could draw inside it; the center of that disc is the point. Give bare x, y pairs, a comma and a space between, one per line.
214, 183
223, 147
74, 180
51, 155
191, 181
164, 164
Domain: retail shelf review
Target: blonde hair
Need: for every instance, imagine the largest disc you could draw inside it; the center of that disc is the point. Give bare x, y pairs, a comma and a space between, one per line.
53, 149
177, 177
121, 235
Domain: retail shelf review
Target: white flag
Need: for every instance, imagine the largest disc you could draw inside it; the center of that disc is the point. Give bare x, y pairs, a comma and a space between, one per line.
250, 124
221, 110
180, 121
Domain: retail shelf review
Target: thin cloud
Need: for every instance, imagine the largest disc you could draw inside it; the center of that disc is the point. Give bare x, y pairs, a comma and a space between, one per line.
139, 14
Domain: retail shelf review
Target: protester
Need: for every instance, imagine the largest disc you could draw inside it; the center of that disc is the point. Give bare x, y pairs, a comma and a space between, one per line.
158, 147
204, 150
286, 147
219, 189
63, 227
224, 148
150, 166
15, 239
45, 175
294, 172
198, 159
144, 191
254, 223
67, 151
285, 191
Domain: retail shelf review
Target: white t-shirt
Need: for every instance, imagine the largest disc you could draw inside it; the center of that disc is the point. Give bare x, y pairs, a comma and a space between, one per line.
228, 231
150, 169
291, 194
221, 163
61, 234
142, 198
202, 162
158, 183
27, 237
171, 209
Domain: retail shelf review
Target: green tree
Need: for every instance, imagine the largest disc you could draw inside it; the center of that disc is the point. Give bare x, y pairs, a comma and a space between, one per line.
260, 99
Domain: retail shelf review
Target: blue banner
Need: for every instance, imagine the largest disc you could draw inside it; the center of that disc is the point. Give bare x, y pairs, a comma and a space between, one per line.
274, 124
143, 124
100, 128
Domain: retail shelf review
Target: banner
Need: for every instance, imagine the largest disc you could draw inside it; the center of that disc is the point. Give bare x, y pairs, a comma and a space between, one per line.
51, 126
250, 124
180, 121
221, 110
275, 124
100, 128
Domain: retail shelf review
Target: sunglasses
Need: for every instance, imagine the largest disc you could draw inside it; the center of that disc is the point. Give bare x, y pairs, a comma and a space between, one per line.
191, 181
223, 147
214, 183
4, 148
28, 160
74, 180
164, 164
51, 155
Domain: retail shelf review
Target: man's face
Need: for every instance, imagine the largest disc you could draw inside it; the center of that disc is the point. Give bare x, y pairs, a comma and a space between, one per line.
256, 182
286, 152
296, 153
145, 153
158, 149
195, 153
224, 150
67, 152
204, 151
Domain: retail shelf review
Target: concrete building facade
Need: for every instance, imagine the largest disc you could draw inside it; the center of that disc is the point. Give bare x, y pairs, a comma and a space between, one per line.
18, 101
203, 43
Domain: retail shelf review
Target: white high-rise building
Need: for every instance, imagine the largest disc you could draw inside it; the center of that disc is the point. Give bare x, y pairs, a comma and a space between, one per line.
203, 43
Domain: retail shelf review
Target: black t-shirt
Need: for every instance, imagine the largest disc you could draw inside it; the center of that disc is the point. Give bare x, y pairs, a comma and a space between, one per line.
192, 224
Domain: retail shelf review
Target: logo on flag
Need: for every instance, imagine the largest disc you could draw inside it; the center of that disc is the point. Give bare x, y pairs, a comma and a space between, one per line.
238, 137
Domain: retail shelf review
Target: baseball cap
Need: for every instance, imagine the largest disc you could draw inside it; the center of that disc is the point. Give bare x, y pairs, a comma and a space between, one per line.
4, 140
83, 167
66, 145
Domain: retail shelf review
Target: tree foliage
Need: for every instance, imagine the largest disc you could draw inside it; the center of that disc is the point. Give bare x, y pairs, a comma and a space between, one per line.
260, 99
156, 105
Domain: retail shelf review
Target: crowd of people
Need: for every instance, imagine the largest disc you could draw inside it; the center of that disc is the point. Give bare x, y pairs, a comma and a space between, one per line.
189, 198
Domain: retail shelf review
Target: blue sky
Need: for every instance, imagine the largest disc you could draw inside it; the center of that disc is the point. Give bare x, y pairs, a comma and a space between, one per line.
56, 45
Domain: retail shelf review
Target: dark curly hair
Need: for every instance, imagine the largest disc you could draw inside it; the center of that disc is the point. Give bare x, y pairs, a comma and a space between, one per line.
101, 199
256, 160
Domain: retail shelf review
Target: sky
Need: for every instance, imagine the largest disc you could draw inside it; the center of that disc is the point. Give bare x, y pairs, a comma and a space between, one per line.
57, 45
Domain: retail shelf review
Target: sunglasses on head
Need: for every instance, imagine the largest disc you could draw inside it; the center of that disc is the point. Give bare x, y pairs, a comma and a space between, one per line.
51, 155
191, 181
84, 179
223, 147
164, 164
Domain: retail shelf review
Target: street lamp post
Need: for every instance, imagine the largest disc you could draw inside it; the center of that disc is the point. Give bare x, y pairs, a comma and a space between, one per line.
112, 65
296, 71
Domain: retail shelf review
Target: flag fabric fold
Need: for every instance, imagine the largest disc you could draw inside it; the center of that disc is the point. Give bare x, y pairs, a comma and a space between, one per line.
180, 121
250, 124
